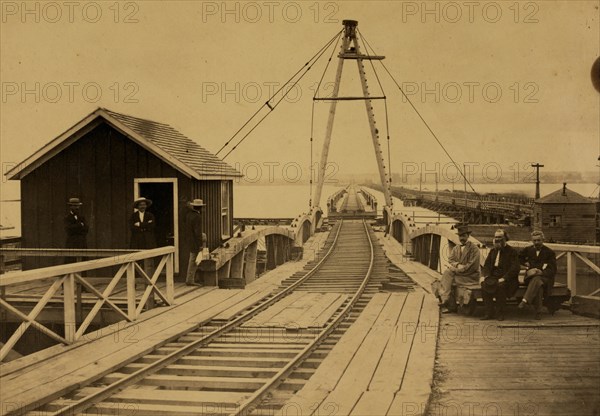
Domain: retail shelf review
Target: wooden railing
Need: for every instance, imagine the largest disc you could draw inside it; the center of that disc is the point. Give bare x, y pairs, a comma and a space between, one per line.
68, 276
574, 254
237, 262
432, 244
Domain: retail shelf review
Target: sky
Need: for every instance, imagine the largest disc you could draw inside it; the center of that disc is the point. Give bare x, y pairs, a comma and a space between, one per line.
501, 83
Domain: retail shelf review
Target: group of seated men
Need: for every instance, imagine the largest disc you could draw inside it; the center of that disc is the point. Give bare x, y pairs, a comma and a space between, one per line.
499, 276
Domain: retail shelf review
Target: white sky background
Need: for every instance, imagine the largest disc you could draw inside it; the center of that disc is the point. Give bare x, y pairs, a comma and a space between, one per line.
179, 50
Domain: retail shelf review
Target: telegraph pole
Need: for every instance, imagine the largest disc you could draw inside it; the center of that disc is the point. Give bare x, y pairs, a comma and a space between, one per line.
537, 167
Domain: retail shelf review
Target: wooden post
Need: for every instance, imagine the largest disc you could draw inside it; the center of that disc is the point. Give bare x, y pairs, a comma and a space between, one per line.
572, 272
280, 251
148, 269
131, 294
170, 284
237, 265
79, 303
250, 263
69, 307
431, 254
271, 252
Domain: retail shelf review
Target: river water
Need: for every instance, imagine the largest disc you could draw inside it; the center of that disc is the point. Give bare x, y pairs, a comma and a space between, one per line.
287, 201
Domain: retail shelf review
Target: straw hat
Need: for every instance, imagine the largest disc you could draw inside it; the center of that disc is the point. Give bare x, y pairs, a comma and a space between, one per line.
141, 199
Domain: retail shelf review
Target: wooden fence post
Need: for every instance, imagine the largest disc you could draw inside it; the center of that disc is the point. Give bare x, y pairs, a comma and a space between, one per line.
170, 285
131, 294
572, 273
149, 269
69, 307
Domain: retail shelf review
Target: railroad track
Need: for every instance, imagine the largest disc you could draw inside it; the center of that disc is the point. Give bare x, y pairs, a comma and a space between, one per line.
248, 364
352, 202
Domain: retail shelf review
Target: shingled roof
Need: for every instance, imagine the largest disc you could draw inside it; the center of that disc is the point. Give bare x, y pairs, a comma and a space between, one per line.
564, 196
161, 139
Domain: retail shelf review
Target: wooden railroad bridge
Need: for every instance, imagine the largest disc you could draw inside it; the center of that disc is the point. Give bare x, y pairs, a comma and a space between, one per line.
469, 207
330, 314
348, 323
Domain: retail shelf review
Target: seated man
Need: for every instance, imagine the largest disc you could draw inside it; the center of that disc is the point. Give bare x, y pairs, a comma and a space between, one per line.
540, 262
500, 276
463, 268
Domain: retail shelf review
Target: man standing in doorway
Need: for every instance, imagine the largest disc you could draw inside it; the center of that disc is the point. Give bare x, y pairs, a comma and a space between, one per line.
463, 268
196, 239
541, 268
142, 224
76, 228
500, 276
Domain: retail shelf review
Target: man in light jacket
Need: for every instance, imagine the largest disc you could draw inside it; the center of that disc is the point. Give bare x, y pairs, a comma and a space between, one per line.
463, 268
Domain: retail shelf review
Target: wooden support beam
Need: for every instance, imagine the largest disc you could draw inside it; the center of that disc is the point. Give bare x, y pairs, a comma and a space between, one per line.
572, 273
271, 252
225, 271
588, 262
69, 307
170, 282
250, 262
148, 266
237, 265
131, 304
280, 253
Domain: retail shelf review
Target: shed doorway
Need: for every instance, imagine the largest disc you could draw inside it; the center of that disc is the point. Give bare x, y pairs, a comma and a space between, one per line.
163, 193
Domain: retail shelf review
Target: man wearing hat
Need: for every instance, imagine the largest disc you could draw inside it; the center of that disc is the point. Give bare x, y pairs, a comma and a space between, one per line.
76, 227
540, 262
142, 225
196, 239
500, 276
463, 268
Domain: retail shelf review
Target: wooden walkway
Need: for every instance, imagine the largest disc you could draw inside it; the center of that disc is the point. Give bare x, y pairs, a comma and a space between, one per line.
384, 364
381, 366
519, 366
47, 375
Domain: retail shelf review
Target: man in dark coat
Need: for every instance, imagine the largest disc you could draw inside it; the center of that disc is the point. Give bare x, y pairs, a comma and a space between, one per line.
196, 239
500, 276
142, 225
540, 262
76, 228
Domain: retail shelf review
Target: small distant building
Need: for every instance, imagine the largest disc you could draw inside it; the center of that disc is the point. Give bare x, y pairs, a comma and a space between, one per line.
107, 159
565, 216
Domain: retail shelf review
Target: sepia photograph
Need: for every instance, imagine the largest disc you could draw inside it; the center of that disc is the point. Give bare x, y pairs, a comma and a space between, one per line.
300, 207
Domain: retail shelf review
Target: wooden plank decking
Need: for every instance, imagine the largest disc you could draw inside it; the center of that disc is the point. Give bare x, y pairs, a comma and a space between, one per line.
384, 360
519, 366
46, 375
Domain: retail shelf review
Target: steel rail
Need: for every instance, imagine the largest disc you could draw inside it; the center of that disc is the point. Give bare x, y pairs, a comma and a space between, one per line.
106, 392
247, 407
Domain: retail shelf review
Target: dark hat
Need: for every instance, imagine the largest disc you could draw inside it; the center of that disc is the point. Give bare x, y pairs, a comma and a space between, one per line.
462, 229
141, 199
74, 201
197, 203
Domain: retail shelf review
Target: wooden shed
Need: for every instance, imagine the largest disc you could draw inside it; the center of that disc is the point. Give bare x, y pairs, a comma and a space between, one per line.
565, 216
107, 159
